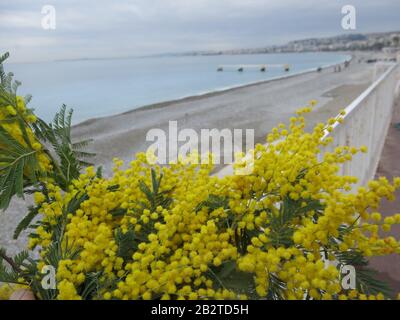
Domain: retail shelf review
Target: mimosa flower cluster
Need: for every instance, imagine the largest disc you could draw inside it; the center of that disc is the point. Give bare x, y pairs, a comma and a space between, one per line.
16, 120
179, 232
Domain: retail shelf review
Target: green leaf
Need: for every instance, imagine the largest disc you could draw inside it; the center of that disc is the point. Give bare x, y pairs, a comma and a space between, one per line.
118, 212
69, 161
91, 286
351, 257
25, 222
367, 282
276, 288
213, 202
99, 172
127, 243
227, 276
366, 278
153, 195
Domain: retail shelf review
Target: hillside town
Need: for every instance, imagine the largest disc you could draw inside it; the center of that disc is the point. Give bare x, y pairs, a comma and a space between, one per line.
389, 42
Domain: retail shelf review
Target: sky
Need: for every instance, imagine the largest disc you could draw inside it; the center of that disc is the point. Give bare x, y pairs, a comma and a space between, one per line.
121, 28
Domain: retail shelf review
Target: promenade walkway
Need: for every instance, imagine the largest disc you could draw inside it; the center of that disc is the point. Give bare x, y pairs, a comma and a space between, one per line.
389, 166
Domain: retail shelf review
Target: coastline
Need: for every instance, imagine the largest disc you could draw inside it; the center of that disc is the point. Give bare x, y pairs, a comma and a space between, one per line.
217, 91
259, 106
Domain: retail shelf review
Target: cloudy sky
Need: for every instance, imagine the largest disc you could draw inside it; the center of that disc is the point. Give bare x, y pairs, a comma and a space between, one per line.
113, 28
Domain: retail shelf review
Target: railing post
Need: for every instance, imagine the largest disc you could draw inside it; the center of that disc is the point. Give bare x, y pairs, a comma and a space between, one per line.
397, 76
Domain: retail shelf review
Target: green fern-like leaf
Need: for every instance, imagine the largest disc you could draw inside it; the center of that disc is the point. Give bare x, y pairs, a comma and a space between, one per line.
26, 221
127, 243
153, 194
227, 276
19, 168
92, 285
366, 278
367, 282
69, 155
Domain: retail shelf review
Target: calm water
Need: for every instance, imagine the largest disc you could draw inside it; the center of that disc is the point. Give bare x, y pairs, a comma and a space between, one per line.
103, 87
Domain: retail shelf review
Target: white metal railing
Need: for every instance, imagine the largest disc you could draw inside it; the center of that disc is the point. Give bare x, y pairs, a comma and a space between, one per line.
366, 123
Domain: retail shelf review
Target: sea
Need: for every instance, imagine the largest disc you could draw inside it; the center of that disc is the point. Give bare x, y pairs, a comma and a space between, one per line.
101, 87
